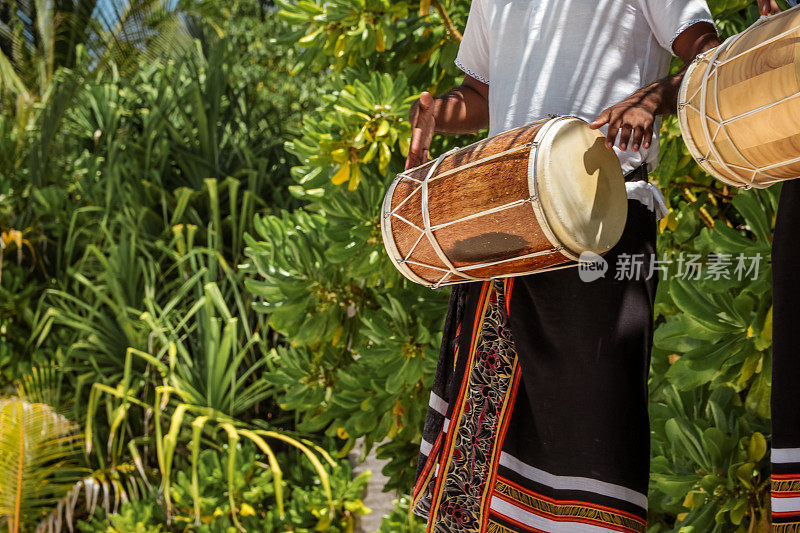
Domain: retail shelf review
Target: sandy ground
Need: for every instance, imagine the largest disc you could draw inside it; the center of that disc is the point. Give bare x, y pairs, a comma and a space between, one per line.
379, 502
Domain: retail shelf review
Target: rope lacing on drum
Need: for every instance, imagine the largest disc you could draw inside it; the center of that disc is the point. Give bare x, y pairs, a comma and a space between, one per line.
428, 229
713, 66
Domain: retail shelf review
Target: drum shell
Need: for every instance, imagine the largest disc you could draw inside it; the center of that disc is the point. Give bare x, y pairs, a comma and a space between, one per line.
754, 85
479, 233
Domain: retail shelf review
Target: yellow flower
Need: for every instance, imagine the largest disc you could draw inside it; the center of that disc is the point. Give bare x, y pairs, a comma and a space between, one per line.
342, 175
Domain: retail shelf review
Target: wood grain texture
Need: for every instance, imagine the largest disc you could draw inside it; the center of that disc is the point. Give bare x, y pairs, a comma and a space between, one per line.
502, 235
754, 136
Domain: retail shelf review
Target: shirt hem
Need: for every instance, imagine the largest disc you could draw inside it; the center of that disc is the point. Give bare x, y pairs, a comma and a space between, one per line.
466, 70
686, 26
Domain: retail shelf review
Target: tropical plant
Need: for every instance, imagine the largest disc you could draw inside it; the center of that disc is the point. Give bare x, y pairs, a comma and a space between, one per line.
709, 461
306, 505
38, 461
320, 270
39, 37
400, 519
135, 186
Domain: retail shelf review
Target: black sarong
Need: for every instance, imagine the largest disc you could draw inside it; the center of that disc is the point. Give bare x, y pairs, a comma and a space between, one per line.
785, 401
538, 415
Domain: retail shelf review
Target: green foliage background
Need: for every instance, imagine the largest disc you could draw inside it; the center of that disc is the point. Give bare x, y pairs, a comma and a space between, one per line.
350, 315
193, 272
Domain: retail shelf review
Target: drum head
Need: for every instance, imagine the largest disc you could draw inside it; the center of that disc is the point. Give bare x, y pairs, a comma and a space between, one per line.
580, 185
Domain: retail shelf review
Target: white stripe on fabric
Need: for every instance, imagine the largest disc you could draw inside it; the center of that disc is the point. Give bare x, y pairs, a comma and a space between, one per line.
785, 455
534, 520
785, 505
584, 484
445, 425
425, 447
438, 404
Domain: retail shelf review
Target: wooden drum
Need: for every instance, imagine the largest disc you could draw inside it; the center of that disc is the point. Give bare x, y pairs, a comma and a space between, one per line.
527, 200
739, 109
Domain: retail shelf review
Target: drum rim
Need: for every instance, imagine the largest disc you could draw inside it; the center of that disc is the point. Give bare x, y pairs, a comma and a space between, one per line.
533, 189
688, 138
533, 170
388, 237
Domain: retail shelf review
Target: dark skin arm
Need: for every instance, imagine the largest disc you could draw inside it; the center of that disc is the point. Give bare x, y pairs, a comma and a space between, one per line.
635, 116
768, 7
464, 109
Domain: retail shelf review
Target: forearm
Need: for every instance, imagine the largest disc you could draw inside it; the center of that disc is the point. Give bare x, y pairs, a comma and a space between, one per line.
461, 110
695, 40
464, 109
661, 97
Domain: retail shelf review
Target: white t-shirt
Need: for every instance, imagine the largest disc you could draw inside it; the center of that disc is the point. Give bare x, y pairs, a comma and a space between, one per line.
575, 57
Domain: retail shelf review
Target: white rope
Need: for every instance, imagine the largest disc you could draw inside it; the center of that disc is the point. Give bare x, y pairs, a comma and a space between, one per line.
407, 222
491, 211
480, 161
501, 261
432, 267
484, 265
406, 176
404, 200
712, 148
758, 109
426, 221
727, 133
411, 251
713, 68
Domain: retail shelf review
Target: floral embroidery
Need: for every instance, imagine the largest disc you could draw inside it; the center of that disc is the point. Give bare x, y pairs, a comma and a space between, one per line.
464, 486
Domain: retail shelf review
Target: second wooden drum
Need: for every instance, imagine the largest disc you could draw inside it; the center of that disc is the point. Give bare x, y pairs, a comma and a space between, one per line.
739, 104
524, 201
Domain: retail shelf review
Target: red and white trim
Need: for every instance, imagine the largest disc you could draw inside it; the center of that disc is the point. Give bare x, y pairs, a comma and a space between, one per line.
573, 482
531, 521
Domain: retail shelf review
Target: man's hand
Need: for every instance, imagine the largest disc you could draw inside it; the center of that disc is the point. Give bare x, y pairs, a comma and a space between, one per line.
634, 117
463, 109
768, 7
423, 124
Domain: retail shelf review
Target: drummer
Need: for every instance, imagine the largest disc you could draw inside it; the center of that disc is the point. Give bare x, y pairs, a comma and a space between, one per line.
785, 455
562, 443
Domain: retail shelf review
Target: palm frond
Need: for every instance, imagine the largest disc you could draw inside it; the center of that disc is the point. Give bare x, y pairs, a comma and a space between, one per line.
107, 488
38, 461
43, 385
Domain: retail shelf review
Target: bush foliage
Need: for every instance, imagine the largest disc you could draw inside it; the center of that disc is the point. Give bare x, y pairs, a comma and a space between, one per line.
350, 315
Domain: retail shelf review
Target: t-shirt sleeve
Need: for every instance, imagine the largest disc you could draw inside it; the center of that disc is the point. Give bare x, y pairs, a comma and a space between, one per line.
670, 18
473, 51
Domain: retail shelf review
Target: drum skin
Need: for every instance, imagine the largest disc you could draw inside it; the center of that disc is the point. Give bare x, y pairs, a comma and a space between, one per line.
760, 76
465, 192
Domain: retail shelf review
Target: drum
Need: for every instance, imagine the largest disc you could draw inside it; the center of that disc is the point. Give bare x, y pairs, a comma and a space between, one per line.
738, 105
527, 200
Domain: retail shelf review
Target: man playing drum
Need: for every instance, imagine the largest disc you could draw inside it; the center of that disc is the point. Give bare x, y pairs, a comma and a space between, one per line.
785, 455
538, 414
